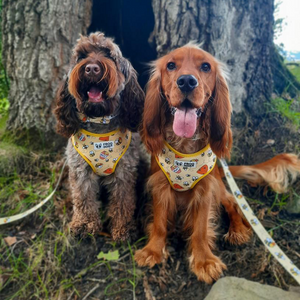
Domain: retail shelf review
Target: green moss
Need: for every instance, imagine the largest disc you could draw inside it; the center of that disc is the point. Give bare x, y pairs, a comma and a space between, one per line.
3, 120
12, 158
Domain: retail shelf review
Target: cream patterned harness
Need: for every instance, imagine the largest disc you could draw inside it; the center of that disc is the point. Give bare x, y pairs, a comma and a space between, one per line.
101, 151
184, 171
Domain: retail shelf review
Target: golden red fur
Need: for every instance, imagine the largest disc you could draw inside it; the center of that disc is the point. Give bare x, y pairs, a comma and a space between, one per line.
207, 91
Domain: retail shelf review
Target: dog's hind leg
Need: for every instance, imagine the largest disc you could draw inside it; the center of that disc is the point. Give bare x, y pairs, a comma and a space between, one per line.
239, 229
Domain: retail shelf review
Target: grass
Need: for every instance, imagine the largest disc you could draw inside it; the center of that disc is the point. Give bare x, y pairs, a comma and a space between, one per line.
34, 261
295, 70
19, 192
40, 265
3, 120
36, 272
285, 108
280, 202
39, 271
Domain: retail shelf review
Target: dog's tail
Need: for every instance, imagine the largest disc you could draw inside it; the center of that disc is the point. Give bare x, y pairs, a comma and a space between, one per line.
278, 172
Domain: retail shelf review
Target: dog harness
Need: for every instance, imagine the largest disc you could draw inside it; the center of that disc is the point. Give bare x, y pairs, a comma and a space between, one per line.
184, 171
101, 151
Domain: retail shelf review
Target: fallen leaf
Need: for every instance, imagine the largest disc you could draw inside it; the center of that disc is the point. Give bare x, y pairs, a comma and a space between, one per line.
10, 240
113, 255
270, 142
261, 213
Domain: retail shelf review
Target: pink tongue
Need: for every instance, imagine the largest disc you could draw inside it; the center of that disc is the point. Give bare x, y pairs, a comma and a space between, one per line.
95, 94
185, 121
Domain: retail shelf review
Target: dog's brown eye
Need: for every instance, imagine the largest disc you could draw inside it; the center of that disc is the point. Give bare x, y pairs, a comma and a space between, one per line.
171, 66
80, 57
205, 67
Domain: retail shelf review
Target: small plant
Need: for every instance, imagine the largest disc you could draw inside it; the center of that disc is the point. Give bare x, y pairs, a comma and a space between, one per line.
280, 201
284, 108
295, 69
4, 106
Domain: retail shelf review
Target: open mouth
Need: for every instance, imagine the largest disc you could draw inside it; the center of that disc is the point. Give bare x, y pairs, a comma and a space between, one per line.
95, 94
185, 120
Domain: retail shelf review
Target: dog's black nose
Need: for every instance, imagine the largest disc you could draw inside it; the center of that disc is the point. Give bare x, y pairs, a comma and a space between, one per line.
92, 69
187, 83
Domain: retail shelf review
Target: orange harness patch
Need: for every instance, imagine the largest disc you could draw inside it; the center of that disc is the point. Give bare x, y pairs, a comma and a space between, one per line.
184, 170
102, 151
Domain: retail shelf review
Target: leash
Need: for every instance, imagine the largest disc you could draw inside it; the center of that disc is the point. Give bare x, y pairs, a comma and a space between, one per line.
22, 215
266, 239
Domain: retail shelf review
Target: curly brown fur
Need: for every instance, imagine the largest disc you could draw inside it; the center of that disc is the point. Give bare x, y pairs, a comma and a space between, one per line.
98, 65
117, 80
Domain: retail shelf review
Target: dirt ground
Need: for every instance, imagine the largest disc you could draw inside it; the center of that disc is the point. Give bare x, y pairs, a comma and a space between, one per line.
45, 262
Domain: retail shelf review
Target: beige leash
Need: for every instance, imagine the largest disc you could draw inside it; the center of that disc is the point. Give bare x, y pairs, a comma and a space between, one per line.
22, 215
269, 243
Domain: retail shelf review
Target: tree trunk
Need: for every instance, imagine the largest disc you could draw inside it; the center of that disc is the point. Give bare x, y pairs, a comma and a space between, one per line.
238, 33
38, 36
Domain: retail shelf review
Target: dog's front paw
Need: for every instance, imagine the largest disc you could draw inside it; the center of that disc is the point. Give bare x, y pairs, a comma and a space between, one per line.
148, 257
238, 235
207, 270
122, 233
83, 227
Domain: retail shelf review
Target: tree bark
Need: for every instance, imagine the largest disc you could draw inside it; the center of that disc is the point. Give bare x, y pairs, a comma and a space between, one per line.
38, 36
238, 33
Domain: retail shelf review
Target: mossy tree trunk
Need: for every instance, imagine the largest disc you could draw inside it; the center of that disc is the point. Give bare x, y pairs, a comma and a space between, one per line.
238, 33
38, 36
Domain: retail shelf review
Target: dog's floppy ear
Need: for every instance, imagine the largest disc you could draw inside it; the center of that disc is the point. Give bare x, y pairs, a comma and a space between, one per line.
132, 98
65, 111
220, 131
154, 114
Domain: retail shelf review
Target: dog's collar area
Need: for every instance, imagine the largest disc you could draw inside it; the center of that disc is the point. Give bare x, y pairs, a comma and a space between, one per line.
98, 120
198, 111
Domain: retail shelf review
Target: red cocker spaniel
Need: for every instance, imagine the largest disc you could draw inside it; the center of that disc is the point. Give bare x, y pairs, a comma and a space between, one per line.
186, 126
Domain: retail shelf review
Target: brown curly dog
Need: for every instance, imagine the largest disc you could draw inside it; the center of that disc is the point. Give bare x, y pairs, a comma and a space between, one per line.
98, 106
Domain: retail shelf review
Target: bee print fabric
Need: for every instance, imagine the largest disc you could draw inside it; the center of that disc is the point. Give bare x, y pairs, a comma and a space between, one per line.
185, 170
102, 151
99, 120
